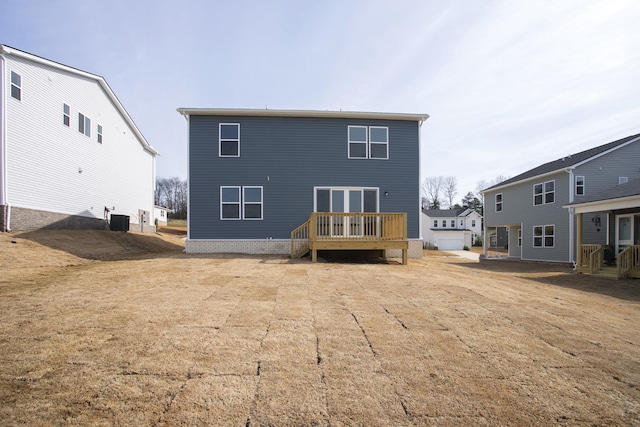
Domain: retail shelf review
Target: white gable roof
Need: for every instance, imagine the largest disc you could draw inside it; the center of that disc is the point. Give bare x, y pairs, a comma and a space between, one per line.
6, 50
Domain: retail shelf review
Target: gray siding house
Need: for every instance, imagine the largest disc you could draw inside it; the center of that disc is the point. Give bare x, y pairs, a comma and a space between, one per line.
256, 175
534, 205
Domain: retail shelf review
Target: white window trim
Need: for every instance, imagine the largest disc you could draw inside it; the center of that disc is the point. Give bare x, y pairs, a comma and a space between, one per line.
99, 132
623, 180
239, 203
366, 142
544, 236
220, 140
331, 189
378, 143
86, 130
501, 202
65, 115
544, 193
19, 87
584, 185
435, 223
244, 203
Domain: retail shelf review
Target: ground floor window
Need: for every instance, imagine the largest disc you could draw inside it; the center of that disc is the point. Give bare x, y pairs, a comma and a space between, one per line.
241, 203
519, 237
544, 236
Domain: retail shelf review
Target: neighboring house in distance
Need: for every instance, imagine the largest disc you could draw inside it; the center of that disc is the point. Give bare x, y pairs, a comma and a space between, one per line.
256, 175
450, 229
534, 205
70, 153
161, 214
616, 211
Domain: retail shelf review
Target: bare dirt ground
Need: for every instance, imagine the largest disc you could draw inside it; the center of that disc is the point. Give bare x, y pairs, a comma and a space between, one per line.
102, 328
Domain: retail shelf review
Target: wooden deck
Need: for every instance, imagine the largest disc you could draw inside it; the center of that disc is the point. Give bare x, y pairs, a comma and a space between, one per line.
591, 260
353, 231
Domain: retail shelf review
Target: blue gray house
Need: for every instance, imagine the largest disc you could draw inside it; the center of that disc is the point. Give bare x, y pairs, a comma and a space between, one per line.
256, 176
539, 206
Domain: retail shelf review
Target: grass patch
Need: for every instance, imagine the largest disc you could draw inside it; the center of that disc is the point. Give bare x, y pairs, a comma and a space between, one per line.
177, 222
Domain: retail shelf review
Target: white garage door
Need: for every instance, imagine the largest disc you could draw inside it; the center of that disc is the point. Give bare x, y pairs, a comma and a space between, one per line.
450, 244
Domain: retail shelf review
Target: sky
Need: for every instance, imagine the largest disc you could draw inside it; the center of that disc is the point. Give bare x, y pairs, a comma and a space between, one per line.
508, 85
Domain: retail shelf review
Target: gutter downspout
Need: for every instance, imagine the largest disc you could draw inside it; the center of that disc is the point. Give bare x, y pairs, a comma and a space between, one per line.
572, 244
3, 144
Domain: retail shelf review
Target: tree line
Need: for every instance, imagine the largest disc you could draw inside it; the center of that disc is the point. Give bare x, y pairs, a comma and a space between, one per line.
172, 193
438, 192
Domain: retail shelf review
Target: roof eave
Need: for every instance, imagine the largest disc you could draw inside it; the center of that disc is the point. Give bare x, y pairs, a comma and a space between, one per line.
301, 113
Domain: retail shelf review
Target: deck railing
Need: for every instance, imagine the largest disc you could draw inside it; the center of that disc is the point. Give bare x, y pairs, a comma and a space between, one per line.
586, 251
300, 240
628, 262
358, 226
596, 259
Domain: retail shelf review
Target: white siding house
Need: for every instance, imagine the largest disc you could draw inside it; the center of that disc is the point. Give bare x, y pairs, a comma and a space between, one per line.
451, 229
70, 153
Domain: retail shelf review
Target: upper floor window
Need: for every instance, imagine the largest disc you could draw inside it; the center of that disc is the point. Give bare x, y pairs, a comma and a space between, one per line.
462, 223
473, 222
544, 236
544, 193
435, 223
229, 140
444, 223
623, 180
499, 202
453, 223
368, 142
84, 124
100, 134
66, 115
579, 185
16, 86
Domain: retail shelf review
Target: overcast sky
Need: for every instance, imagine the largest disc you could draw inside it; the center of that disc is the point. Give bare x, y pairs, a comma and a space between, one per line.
508, 84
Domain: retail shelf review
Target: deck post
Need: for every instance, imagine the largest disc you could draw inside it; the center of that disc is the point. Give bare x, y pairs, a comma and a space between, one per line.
579, 242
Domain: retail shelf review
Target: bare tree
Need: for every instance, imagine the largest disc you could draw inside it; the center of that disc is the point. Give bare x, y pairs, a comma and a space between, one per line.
431, 190
172, 193
484, 184
450, 188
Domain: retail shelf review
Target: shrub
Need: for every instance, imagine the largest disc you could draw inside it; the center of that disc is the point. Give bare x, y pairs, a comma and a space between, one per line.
466, 248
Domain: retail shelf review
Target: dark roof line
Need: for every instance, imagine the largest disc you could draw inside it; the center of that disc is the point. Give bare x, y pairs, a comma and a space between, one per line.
565, 162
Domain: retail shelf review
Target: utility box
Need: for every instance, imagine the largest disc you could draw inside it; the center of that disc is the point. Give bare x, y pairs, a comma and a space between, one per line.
119, 223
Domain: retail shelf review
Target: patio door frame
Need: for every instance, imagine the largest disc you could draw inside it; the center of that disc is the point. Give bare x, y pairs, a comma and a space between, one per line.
344, 227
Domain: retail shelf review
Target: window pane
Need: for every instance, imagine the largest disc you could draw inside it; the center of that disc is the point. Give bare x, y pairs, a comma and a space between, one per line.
322, 201
498, 197
252, 195
358, 150
87, 126
231, 211
379, 151
80, 122
537, 189
16, 79
548, 230
538, 200
548, 186
358, 133
229, 131
549, 198
66, 109
66, 120
537, 231
370, 201
378, 134
229, 148
548, 241
337, 198
355, 201
230, 195
15, 93
537, 241
253, 211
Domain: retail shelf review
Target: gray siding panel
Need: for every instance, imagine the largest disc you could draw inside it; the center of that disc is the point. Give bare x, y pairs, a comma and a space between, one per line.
288, 157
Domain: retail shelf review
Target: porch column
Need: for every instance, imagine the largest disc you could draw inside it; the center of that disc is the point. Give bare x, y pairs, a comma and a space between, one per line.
484, 241
579, 242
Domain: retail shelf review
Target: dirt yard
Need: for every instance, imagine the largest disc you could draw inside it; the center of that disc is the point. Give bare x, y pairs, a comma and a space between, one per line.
102, 328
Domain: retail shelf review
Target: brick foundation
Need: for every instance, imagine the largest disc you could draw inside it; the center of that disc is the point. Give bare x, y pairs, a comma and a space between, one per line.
30, 219
274, 247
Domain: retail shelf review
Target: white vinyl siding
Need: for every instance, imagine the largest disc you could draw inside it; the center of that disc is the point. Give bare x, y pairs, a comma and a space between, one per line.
43, 158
